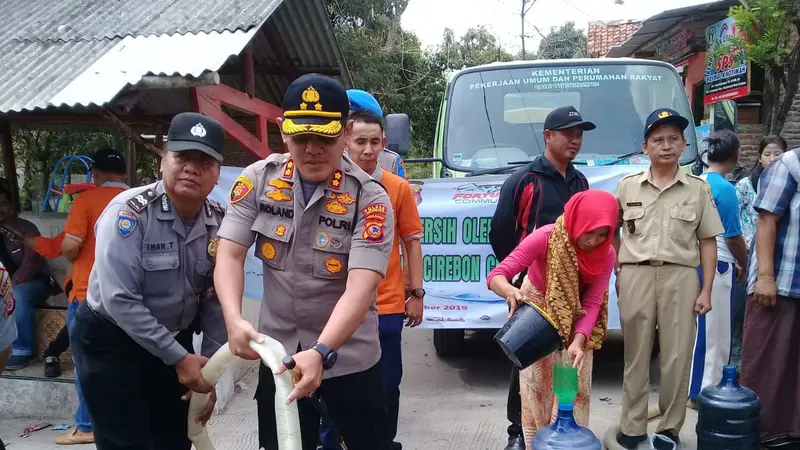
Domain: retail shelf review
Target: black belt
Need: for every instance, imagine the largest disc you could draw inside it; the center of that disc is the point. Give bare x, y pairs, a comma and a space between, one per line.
653, 263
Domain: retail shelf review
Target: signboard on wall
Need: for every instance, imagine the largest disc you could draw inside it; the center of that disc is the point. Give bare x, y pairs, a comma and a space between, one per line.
726, 75
676, 47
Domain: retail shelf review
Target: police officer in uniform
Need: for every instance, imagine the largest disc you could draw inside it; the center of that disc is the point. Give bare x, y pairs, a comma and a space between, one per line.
324, 231
664, 212
151, 288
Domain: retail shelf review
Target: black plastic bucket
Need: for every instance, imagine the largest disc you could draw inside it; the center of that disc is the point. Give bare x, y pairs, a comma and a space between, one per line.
528, 336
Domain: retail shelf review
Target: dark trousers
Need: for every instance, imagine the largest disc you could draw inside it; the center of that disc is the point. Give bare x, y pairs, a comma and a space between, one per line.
390, 331
58, 345
514, 402
355, 403
514, 405
133, 398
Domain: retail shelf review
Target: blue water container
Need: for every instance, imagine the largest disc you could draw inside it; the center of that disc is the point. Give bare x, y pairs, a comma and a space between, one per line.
728, 415
565, 434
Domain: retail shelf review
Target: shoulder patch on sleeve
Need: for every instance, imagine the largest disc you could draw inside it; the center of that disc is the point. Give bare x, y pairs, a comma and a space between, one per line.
126, 222
241, 188
374, 222
140, 201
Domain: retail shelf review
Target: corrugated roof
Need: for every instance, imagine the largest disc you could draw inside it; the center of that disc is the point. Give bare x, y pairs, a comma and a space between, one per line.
133, 57
660, 23
53, 20
32, 72
39, 73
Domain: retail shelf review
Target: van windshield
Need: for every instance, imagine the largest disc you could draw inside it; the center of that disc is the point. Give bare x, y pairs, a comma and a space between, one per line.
496, 116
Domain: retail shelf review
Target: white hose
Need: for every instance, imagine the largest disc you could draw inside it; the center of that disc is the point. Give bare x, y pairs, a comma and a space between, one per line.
286, 416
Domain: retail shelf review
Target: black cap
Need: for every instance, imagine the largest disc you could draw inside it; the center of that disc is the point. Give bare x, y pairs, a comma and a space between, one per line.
193, 131
664, 116
566, 117
315, 104
108, 160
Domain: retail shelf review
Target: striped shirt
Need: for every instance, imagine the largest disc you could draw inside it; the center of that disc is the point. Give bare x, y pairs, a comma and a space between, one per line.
779, 194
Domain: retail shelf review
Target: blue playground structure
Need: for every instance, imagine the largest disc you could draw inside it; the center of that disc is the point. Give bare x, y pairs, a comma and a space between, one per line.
60, 178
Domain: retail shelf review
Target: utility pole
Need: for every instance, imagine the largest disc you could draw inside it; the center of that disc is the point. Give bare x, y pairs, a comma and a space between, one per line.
523, 12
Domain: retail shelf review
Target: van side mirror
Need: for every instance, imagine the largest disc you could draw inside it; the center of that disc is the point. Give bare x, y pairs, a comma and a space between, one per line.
725, 115
398, 131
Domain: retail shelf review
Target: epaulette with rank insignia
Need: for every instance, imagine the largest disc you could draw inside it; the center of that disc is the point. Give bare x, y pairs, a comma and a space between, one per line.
212, 206
691, 175
635, 174
140, 202
381, 185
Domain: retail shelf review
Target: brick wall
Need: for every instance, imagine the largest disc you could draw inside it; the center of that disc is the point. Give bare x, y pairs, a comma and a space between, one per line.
749, 135
791, 131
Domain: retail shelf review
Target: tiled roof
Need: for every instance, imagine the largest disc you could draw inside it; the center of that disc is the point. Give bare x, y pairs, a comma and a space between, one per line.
604, 35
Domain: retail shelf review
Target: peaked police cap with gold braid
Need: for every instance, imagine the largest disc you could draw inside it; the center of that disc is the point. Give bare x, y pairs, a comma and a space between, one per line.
315, 104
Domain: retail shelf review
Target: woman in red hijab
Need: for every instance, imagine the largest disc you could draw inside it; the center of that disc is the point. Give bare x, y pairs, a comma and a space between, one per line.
569, 267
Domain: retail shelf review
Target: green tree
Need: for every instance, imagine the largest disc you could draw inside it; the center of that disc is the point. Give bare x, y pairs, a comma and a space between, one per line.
389, 62
765, 29
566, 42
525, 8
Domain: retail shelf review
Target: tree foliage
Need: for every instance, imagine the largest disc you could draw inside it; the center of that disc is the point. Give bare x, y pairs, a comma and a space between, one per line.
38, 151
765, 29
564, 42
390, 63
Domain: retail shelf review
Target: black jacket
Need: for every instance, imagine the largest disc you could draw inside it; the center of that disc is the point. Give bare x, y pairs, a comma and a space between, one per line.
531, 197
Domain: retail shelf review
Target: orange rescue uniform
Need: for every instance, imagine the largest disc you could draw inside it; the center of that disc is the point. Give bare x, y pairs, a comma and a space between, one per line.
408, 226
85, 211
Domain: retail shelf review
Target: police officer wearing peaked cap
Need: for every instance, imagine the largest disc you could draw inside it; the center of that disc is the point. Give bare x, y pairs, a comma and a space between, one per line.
323, 229
151, 288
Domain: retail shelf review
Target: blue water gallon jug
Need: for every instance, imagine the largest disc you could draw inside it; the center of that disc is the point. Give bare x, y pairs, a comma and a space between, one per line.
565, 434
728, 415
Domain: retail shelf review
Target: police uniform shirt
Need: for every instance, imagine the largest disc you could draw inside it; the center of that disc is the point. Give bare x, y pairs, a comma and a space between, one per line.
152, 274
392, 162
308, 249
665, 225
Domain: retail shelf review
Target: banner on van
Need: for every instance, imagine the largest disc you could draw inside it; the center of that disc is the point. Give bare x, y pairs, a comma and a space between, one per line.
456, 216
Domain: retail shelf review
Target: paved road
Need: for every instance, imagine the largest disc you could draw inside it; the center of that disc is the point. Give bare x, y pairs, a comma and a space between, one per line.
446, 405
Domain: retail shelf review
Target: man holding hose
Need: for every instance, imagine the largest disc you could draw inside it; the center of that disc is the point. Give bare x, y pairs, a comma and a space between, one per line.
149, 290
323, 229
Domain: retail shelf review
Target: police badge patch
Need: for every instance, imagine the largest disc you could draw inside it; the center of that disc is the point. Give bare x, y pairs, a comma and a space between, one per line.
126, 223
213, 243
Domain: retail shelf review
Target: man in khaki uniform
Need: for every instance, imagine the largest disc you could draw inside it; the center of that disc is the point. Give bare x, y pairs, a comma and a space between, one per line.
664, 213
324, 231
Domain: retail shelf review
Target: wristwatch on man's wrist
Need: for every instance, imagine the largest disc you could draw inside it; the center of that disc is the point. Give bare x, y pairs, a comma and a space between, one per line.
329, 355
418, 293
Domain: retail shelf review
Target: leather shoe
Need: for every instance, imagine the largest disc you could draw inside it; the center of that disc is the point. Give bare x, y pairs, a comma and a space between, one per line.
516, 443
